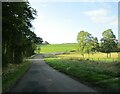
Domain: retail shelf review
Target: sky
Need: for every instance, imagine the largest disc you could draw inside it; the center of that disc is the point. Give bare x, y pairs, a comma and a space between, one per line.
60, 22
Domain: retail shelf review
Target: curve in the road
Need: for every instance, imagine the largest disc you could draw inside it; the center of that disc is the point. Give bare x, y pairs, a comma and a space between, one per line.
42, 78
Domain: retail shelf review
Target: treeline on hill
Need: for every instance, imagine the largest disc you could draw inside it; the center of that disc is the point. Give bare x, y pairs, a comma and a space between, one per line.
89, 44
18, 40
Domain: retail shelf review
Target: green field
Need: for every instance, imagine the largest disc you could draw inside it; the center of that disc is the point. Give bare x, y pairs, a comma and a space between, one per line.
96, 56
68, 47
58, 47
95, 68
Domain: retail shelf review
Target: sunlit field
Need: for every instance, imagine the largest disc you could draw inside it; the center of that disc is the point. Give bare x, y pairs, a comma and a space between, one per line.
94, 68
68, 48
96, 56
58, 47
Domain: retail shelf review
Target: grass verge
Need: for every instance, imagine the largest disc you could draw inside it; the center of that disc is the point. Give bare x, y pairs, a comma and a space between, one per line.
103, 75
13, 73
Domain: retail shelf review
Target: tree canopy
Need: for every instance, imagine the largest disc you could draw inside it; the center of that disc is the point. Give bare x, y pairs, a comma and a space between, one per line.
18, 39
108, 42
86, 42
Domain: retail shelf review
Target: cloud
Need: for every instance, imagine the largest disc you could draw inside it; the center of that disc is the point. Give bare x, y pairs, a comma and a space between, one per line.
101, 16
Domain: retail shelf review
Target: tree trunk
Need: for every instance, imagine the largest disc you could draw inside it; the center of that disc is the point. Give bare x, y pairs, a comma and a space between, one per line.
88, 55
110, 55
118, 54
107, 55
83, 56
13, 57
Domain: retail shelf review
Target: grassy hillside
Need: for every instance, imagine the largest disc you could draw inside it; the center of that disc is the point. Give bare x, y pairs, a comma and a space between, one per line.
58, 47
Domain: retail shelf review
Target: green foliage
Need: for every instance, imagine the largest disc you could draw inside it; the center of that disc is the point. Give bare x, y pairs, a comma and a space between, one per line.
95, 45
86, 42
117, 49
46, 42
108, 42
17, 37
12, 73
38, 49
107, 34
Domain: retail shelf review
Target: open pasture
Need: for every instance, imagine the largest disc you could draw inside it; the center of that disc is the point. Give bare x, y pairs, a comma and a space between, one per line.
96, 56
58, 47
71, 48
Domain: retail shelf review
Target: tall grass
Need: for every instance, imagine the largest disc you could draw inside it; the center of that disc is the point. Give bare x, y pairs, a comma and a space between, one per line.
96, 56
103, 75
12, 73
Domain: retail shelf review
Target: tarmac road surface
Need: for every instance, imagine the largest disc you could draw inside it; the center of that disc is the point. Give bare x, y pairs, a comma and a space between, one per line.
42, 78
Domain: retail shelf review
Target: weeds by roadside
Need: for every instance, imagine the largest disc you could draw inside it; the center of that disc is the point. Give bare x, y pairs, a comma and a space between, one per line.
12, 73
103, 75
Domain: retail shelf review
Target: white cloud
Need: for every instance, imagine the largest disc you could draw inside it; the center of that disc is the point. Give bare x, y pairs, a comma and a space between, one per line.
101, 16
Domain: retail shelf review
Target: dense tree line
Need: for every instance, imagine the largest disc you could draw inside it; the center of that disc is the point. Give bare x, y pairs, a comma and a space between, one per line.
88, 44
18, 39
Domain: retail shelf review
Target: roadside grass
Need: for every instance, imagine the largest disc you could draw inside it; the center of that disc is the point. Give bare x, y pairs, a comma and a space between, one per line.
13, 73
95, 69
103, 75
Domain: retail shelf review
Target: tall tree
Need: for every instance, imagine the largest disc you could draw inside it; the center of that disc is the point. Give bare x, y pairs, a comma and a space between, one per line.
108, 42
18, 39
95, 45
85, 41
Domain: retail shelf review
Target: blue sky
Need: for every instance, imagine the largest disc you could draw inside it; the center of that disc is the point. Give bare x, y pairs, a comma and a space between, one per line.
60, 22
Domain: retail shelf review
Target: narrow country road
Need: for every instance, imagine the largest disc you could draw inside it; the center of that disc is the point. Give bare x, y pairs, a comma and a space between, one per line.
42, 78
